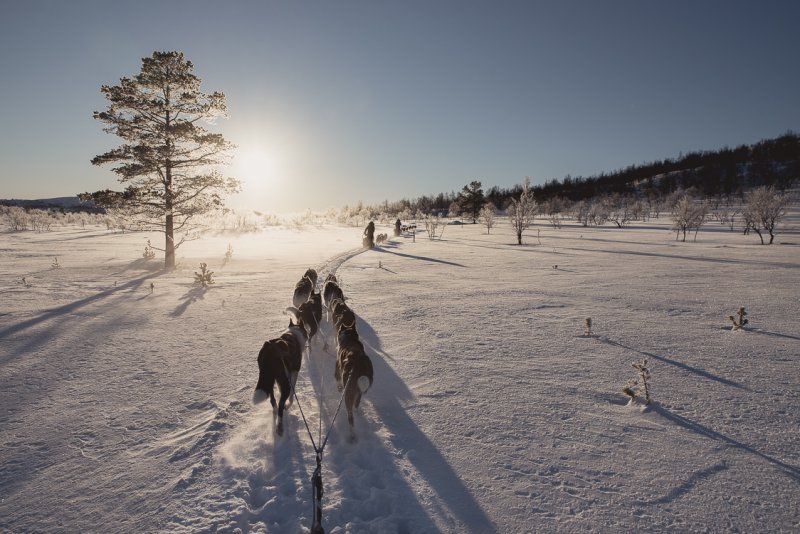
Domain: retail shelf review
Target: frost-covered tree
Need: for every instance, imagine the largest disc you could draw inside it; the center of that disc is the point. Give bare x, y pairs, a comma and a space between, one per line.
599, 211
764, 208
581, 212
168, 161
521, 211
687, 215
487, 216
432, 224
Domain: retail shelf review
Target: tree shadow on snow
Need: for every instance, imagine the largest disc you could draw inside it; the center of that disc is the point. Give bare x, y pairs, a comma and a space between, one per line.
696, 478
62, 312
725, 261
790, 470
421, 258
685, 367
774, 334
191, 296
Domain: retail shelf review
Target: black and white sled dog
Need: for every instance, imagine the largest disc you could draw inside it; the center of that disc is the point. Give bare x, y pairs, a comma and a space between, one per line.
331, 292
311, 313
302, 291
341, 314
279, 362
353, 373
311, 274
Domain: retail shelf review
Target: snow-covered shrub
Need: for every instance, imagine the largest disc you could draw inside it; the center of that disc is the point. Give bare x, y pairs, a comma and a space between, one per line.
639, 384
16, 218
149, 253
739, 321
40, 220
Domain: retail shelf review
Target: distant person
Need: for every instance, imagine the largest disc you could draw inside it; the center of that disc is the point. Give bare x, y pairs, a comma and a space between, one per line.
397, 227
369, 233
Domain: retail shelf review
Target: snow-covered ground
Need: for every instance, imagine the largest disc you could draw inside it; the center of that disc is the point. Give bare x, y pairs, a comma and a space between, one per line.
128, 409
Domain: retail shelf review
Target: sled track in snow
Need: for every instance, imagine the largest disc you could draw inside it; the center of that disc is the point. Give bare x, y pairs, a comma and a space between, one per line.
331, 266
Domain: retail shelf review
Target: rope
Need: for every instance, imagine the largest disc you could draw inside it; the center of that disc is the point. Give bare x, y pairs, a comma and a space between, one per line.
316, 478
321, 448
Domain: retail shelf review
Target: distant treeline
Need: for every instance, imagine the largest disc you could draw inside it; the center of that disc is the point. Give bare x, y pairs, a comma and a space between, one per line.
62, 205
726, 172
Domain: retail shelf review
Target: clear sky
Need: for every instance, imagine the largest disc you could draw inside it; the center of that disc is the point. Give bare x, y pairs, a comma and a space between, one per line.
332, 102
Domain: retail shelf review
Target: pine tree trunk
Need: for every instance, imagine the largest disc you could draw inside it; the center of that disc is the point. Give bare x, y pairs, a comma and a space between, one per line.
169, 222
169, 246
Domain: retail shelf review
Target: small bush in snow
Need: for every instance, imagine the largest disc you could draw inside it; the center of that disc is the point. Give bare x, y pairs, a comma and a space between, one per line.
588, 325
149, 253
639, 384
739, 321
204, 277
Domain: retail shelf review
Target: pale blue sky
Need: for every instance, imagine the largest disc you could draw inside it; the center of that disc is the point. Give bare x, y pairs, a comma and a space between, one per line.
340, 101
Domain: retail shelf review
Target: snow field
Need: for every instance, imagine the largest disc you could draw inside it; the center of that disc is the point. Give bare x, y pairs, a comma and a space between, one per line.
490, 412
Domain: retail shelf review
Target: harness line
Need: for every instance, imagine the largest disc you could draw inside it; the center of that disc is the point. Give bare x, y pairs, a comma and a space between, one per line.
316, 477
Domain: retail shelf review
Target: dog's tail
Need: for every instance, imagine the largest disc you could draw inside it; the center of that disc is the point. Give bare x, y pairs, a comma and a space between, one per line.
364, 384
294, 314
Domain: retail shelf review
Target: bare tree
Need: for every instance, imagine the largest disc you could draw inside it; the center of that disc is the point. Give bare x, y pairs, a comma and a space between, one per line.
581, 212
487, 216
687, 215
764, 208
167, 160
521, 211
432, 224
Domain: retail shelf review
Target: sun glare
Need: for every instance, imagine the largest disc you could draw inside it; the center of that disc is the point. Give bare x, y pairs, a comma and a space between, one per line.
258, 169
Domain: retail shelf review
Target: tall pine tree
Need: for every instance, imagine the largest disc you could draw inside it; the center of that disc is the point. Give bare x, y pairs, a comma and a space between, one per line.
168, 161
471, 200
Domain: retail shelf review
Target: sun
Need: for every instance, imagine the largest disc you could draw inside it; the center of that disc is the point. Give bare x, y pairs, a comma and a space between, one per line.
255, 166
258, 170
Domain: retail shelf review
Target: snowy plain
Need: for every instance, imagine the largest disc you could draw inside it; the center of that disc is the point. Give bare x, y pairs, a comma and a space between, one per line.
127, 408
